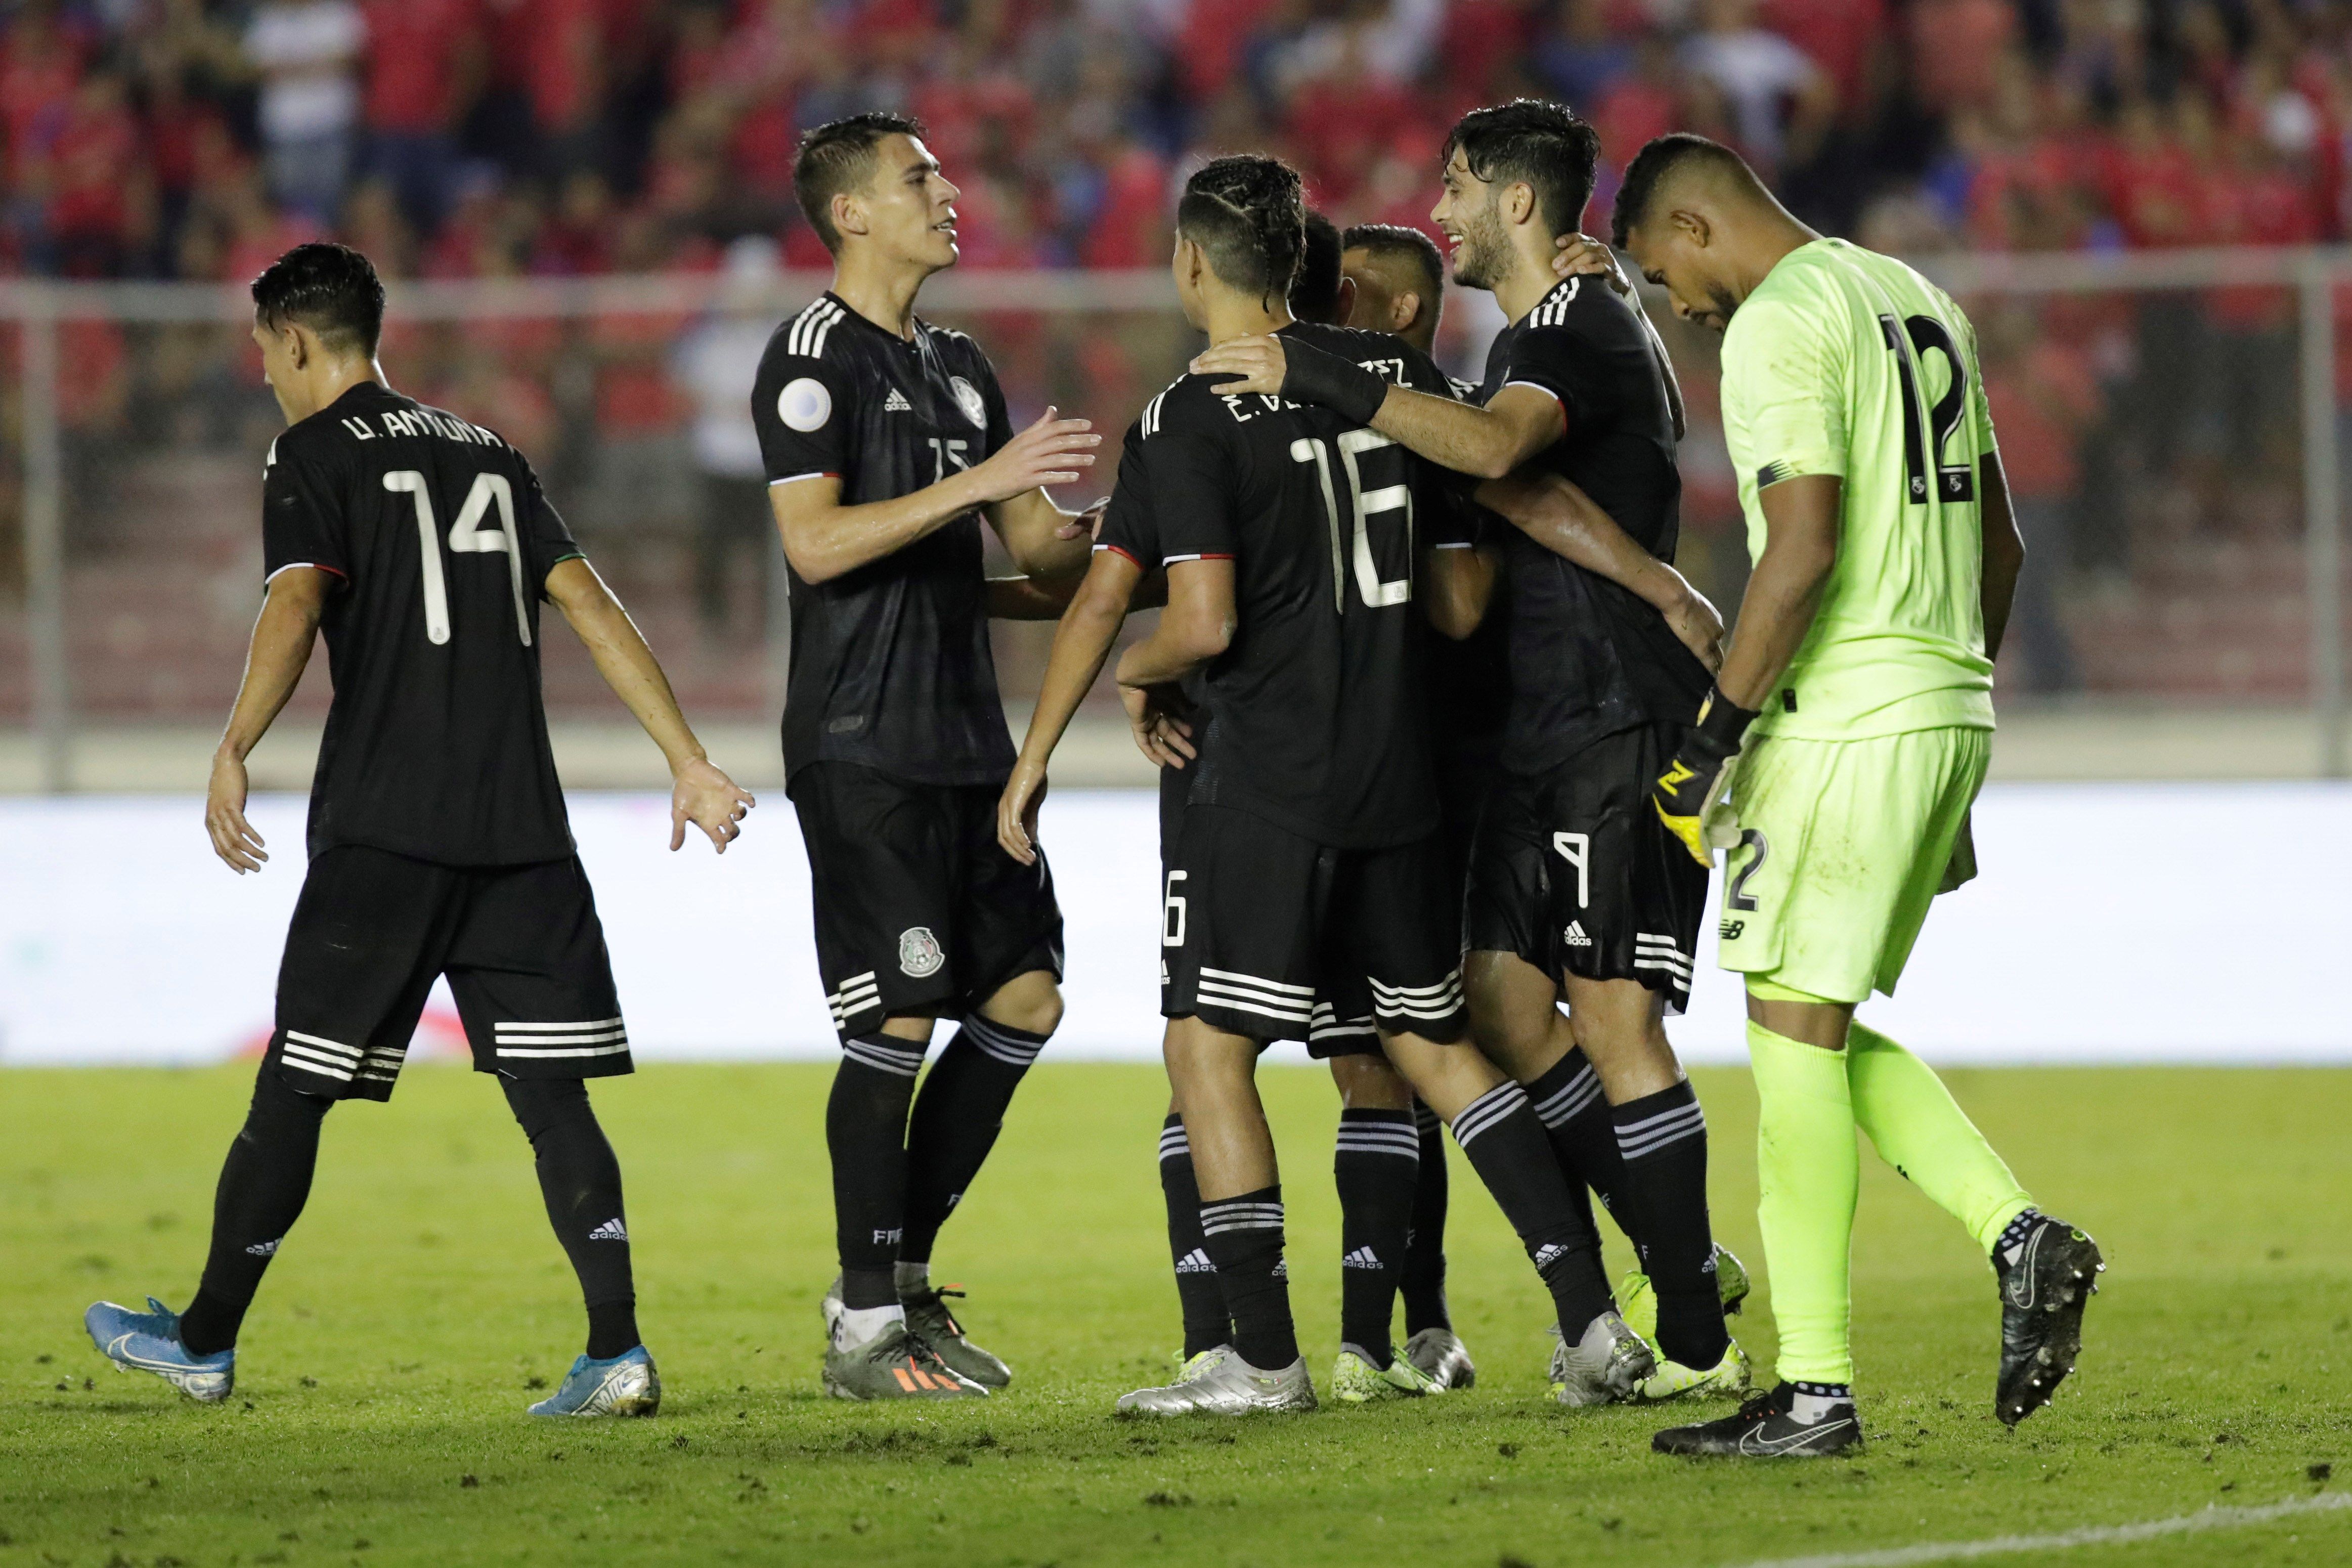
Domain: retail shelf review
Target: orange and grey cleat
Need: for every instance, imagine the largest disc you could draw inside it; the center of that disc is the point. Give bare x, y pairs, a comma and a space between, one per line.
894, 1365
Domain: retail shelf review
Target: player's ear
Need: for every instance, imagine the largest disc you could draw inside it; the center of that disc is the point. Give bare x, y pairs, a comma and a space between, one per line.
1404, 310
1346, 305
1693, 227
848, 214
1518, 202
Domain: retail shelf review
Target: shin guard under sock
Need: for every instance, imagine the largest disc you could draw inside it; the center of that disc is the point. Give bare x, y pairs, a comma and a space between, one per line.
1575, 1115
1245, 1236
1506, 1144
1424, 1282
580, 1179
1808, 1173
865, 1133
1663, 1138
1918, 1128
1377, 1167
263, 1185
1207, 1324
957, 1116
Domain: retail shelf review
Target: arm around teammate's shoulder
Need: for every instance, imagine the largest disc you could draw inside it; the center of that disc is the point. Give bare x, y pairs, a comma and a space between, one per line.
699, 793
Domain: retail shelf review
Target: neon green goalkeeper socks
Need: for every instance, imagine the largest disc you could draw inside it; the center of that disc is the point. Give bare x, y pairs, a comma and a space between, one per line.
1808, 1170
1918, 1128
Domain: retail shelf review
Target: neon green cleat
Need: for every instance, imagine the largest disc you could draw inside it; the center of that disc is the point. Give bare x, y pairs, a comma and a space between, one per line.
1638, 1304
1727, 1379
1356, 1380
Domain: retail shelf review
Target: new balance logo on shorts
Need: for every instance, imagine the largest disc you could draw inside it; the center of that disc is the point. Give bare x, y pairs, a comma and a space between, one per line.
1362, 1257
1195, 1262
1574, 936
611, 1230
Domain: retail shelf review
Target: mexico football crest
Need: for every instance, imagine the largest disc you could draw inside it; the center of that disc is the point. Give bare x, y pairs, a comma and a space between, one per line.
919, 953
968, 398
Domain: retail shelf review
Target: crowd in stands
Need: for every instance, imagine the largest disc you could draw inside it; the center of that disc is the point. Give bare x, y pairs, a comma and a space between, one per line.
452, 138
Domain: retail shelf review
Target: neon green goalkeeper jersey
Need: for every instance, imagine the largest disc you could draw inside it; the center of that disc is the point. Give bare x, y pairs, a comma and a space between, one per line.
1848, 362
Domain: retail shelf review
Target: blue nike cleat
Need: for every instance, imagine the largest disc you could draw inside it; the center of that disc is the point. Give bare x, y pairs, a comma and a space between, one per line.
626, 1384
150, 1341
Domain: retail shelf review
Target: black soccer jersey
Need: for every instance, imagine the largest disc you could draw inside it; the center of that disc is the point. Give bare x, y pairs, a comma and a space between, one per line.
1588, 657
1315, 711
440, 542
890, 663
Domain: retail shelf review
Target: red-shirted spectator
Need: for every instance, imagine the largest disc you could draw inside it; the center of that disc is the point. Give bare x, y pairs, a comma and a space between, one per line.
1843, 37
424, 68
100, 194
1130, 229
40, 64
1956, 50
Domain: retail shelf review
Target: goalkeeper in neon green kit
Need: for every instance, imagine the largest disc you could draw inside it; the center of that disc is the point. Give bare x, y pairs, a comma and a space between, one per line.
1840, 752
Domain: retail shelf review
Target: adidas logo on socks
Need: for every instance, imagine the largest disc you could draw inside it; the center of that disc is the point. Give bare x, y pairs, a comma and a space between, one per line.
611, 1230
1195, 1262
1362, 1257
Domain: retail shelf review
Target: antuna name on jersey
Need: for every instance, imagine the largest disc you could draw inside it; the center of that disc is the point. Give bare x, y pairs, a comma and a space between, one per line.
1315, 710
890, 663
440, 541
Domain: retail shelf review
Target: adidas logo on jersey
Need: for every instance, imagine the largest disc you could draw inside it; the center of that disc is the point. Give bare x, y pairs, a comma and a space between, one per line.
1195, 1262
611, 1230
1362, 1257
896, 403
1574, 936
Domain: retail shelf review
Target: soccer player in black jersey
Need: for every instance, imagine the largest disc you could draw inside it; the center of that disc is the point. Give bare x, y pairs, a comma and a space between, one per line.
887, 442
1575, 891
421, 546
1306, 885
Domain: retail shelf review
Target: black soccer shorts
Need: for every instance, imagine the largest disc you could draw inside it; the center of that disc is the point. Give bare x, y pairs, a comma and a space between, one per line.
521, 945
1575, 873
1272, 935
919, 908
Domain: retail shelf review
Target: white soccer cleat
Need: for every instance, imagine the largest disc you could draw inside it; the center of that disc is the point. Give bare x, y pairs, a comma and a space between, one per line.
1219, 1383
1443, 1356
1607, 1367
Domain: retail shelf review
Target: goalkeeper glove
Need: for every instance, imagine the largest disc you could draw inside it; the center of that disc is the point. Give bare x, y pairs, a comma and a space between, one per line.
1310, 374
1701, 771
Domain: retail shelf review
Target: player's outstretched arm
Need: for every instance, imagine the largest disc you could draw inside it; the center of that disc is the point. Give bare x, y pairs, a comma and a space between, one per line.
1081, 647
1489, 442
282, 639
699, 793
1460, 585
1557, 514
822, 539
2004, 552
1043, 541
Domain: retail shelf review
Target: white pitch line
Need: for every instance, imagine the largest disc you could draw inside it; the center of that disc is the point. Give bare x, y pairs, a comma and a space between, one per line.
2094, 1535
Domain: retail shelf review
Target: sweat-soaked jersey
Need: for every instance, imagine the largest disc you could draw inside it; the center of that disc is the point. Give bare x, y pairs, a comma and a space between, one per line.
438, 541
890, 663
1589, 659
1315, 716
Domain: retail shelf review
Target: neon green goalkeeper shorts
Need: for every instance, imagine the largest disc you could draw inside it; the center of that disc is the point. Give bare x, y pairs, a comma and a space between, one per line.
1842, 845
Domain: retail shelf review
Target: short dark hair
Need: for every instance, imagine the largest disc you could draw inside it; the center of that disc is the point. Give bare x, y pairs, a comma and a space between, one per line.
1395, 241
331, 288
1652, 165
1535, 140
1245, 211
1315, 291
838, 156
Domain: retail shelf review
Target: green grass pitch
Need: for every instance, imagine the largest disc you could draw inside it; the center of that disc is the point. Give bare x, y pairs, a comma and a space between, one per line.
379, 1419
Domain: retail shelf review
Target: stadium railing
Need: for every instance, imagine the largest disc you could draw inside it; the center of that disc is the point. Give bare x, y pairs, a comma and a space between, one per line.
2171, 421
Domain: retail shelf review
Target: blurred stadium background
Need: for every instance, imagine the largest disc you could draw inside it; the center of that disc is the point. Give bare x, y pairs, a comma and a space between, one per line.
587, 206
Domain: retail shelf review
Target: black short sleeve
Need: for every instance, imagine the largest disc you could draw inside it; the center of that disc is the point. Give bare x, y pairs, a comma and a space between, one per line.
1130, 524
1000, 419
301, 515
1191, 482
1562, 363
803, 411
545, 536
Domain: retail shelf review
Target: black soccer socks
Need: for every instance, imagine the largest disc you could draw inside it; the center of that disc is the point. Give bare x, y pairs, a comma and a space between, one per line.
264, 1183
865, 1133
1663, 1139
1377, 1167
1422, 1282
1575, 1115
581, 1180
1207, 1324
1244, 1234
957, 1117
1505, 1145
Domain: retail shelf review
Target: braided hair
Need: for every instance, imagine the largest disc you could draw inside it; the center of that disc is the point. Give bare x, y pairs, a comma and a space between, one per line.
1245, 213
